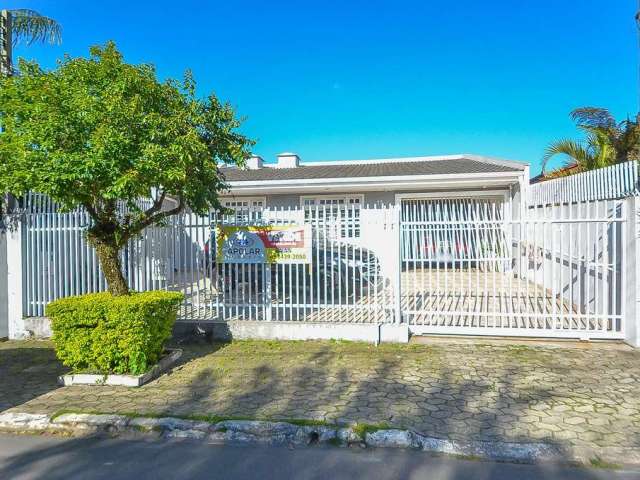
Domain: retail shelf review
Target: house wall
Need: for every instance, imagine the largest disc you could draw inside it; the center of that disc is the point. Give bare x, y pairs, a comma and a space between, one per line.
4, 292
373, 199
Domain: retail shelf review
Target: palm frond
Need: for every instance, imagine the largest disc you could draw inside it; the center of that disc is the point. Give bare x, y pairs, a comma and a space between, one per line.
628, 145
576, 152
31, 27
603, 151
593, 117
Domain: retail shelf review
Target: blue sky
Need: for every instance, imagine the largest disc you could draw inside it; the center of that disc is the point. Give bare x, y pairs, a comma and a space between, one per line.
334, 80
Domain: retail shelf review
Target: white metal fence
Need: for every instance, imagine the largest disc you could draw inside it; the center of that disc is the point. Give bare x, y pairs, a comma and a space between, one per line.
617, 181
556, 272
441, 266
343, 282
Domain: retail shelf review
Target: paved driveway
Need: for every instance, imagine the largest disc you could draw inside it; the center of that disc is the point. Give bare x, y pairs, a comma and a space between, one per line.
568, 394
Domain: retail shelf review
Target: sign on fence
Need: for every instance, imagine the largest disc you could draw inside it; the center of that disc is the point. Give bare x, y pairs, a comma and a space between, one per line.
264, 244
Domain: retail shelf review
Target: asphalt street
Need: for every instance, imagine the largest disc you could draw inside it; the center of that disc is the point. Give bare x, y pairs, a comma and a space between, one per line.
92, 458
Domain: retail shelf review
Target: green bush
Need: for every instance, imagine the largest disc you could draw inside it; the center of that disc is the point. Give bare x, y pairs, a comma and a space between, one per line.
102, 333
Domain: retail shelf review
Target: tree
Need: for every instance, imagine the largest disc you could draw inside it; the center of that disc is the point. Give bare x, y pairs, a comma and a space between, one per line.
17, 26
607, 141
100, 134
28, 26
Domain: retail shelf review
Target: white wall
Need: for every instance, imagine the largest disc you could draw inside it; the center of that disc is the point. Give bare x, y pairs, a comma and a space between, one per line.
4, 313
378, 199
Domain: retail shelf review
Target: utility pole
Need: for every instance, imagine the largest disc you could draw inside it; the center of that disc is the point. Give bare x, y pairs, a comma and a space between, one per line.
6, 67
638, 26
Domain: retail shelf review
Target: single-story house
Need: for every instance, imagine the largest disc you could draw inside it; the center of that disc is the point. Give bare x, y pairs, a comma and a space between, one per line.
291, 183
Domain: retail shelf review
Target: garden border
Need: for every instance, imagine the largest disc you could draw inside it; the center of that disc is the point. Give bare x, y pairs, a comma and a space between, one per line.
161, 367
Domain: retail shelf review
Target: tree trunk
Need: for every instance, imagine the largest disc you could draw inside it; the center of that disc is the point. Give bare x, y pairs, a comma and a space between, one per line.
109, 257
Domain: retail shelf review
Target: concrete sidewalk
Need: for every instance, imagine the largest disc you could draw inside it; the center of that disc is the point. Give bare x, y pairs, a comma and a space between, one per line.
564, 395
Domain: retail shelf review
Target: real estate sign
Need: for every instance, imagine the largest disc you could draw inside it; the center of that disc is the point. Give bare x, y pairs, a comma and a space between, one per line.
264, 244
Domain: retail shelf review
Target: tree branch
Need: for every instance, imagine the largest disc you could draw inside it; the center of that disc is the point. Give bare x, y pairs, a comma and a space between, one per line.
147, 220
92, 211
157, 204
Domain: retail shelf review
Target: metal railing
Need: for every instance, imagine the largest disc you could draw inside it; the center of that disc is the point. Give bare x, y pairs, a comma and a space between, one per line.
556, 274
608, 183
441, 266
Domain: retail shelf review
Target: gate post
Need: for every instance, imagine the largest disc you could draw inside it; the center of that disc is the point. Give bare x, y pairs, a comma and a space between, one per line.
14, 281
397, 287
267, 292
4, 287
631, 271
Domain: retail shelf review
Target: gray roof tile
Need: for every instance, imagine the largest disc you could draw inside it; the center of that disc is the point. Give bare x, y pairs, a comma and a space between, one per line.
383, 169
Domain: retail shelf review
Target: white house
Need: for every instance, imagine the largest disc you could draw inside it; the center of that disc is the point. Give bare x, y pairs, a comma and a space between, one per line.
293, 183
377, 250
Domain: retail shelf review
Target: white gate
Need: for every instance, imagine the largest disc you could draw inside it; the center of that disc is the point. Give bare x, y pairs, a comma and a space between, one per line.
469, 268
346, 281
454, 266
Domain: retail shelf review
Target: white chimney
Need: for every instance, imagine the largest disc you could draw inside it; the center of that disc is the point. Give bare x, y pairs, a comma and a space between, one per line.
288, 160
254, 162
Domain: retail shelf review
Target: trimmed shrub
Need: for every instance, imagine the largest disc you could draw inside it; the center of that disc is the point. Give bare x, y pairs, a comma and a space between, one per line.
102, 333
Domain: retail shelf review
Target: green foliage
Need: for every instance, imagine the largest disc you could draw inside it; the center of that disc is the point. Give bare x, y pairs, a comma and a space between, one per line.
361, 429
98, 129
95, 132
598, 462
101, 333
606, 142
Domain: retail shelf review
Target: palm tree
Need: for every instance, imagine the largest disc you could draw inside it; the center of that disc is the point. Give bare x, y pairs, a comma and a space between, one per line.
23, 25
606, 142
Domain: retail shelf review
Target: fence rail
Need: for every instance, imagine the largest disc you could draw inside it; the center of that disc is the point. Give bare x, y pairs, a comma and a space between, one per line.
617, 181
440, 266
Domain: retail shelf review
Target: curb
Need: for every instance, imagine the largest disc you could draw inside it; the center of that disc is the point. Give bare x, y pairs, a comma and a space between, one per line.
288, 434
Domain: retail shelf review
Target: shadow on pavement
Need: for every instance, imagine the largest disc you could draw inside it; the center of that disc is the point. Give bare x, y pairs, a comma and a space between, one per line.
26, 372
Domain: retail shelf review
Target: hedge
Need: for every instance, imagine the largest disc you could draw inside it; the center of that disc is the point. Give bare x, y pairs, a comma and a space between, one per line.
105, 334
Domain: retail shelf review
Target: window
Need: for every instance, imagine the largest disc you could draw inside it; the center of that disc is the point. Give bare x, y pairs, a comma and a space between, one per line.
337, 215
245, 209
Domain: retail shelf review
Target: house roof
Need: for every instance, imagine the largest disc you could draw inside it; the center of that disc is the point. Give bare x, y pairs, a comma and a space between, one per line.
421, 166
560, 172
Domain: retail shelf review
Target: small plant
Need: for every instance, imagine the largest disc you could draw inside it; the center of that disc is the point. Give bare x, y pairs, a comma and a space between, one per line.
597, 462
361, 429
101, 333
301, 422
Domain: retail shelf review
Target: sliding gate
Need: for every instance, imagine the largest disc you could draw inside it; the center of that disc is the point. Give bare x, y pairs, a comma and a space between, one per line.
467, 267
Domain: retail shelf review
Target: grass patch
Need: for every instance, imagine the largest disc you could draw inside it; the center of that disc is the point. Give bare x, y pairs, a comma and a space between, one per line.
66, 411
597, 462
361, 429
209, 418
519, 350
301, 422
306, 347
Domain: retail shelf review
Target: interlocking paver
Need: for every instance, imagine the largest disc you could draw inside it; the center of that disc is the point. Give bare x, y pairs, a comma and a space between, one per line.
468, 391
